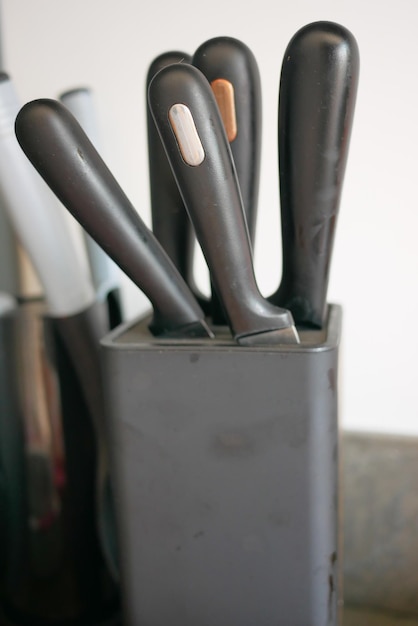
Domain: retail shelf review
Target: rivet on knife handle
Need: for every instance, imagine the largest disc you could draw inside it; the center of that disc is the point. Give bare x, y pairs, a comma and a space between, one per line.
59, 149
317, 97
223, 91
188, 140
212, 197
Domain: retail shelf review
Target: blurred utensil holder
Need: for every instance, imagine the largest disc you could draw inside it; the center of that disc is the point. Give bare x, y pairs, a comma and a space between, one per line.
226, 464
52, 567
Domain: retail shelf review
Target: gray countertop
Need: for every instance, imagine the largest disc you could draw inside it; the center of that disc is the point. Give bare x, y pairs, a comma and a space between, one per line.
380, 530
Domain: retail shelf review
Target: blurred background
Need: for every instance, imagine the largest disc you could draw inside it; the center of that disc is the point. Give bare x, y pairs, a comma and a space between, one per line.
50, 46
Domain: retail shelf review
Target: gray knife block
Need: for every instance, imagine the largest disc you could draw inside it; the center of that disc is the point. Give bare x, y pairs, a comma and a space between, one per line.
226, 477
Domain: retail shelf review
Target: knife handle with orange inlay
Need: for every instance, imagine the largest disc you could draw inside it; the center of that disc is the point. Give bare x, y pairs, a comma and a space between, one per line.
232, 71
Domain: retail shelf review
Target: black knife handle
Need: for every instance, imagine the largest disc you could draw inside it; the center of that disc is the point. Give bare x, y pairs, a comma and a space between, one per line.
229, 59
59, 149
208, 183
317, 97
232, 71
170, 222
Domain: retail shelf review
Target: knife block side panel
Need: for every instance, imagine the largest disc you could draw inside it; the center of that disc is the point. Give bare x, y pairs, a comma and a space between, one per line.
226, 478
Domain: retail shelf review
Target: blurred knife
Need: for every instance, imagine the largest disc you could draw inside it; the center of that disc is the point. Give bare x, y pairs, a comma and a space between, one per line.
317, 97
105, 273
40, 227
61, 152
189, 122
79, 320
170, 222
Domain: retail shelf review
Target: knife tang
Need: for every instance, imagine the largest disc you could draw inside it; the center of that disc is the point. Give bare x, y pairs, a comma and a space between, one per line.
317, 98
190, 126
64, 156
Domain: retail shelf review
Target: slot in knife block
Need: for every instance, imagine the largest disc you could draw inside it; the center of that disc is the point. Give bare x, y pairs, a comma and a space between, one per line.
226, 462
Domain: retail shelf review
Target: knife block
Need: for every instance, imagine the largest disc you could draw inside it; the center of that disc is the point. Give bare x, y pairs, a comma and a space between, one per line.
226, 464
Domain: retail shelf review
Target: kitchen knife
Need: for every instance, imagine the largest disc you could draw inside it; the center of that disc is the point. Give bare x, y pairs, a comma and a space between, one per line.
105, 273
64, 156
232, 71
189, 122
38, 222
317, 96
41, 227
170, 222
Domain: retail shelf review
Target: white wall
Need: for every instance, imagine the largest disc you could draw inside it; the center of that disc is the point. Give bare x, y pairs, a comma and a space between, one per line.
53, 45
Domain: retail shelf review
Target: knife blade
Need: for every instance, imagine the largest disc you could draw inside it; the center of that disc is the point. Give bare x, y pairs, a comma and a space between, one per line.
188, 119
60, 150
317, 97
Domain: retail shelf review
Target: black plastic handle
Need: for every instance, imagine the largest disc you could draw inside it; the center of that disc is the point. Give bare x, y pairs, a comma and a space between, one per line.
59, 149
203, 166
170, 222
317, 98
232, 71
231, 60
